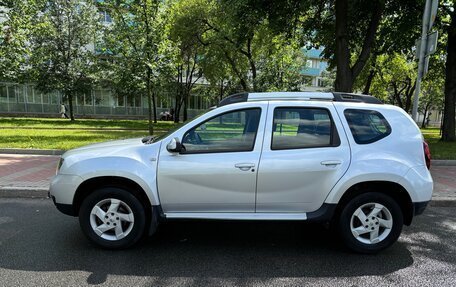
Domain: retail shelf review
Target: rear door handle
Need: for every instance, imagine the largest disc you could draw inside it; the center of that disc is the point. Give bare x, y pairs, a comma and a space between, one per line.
244, 166
331, 162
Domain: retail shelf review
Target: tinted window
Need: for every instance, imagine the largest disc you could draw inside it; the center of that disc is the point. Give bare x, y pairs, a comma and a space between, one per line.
367, 126
302, 128
229, 132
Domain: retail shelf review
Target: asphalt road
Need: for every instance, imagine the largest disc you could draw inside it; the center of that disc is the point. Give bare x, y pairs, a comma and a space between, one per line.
41, 247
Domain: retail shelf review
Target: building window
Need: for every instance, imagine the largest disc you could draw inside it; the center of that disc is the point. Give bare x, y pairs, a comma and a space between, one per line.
105, 17
3, 94
54, 97
103, 98
20, 94
30, 94
120, 101
12, 94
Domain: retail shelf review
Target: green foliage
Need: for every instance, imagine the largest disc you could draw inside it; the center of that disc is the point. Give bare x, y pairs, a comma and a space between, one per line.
237, 45
61, 43
15, 30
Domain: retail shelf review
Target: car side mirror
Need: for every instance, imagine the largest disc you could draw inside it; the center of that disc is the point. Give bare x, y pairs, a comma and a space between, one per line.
174, 146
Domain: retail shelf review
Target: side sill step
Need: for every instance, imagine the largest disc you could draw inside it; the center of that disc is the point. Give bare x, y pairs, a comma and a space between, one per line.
236, 216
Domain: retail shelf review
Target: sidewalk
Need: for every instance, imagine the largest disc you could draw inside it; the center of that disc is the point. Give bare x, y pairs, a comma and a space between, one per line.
29, 176
26, 175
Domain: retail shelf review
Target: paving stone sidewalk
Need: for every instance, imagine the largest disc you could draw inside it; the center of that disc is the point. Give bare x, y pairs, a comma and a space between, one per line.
25, 174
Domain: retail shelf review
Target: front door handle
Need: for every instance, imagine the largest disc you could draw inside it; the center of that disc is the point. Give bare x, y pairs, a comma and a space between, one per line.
331, 163
244, 166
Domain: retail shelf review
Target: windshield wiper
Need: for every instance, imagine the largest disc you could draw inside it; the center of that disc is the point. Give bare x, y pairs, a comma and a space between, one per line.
148, 139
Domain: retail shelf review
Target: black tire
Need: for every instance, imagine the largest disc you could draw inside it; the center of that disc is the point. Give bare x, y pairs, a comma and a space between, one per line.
128, 201
344, 226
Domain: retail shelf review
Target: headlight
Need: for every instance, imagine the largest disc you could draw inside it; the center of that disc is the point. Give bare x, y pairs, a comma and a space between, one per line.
59, 165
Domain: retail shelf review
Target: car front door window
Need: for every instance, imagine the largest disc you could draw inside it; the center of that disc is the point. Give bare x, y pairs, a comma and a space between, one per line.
233, 131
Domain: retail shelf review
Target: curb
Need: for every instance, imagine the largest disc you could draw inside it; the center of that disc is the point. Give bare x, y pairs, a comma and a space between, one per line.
31, 151
23, 193
443, 162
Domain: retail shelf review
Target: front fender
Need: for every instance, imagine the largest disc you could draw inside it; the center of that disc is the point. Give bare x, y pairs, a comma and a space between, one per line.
142, 171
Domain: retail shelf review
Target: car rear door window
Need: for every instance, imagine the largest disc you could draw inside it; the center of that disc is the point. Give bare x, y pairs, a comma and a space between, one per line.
367, 126
295, 128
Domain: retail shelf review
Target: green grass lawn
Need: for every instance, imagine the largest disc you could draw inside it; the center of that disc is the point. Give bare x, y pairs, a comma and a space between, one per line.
63, 134
81, 124
439, 150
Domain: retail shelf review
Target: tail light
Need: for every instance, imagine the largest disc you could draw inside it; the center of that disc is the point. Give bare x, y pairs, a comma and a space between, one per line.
427, 154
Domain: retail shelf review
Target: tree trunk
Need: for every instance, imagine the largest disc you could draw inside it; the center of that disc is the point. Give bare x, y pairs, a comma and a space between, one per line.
370, 77
185, 113
344, 79
70, 103
423, 123
154, 106
409, 95
178, 95
221, 90
346, 75
149, 101
449, 125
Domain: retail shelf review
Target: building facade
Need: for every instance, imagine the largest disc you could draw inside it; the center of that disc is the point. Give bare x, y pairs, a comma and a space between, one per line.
315, 68
25, 99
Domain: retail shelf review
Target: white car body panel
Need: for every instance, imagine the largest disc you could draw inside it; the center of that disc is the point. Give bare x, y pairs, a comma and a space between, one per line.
285, 184
210, 182
295, 180
387, 159
129, 159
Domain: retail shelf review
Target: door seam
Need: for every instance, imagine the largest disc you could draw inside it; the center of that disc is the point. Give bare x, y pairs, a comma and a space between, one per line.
261, 153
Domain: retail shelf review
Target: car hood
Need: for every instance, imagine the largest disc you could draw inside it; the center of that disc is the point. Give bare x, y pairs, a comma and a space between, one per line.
108, 154
106, 148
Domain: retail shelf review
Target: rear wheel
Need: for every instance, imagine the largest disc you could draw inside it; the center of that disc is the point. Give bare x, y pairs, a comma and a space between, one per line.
112, 218
370, 222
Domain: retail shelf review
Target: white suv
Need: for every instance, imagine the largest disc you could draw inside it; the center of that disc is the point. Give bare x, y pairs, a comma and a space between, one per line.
330, 157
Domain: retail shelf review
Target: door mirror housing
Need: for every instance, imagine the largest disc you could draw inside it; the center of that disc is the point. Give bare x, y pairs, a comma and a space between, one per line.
174, 146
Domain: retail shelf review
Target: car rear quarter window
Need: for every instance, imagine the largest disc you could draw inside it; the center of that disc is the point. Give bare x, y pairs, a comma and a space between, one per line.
367, 126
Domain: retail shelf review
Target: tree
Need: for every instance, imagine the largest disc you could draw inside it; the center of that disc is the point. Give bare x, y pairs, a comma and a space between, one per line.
238, 45
188, 54
348, 30
135, 40
449, 121
62, 57
431, 99
15, 30
391, 77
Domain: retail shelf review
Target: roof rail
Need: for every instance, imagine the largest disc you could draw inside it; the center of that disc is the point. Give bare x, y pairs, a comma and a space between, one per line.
300, 96
359, 98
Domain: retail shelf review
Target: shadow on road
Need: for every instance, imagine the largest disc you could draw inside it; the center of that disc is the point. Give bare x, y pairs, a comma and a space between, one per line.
46, 240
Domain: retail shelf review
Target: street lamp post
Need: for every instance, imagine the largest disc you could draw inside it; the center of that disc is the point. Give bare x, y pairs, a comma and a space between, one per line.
425, 46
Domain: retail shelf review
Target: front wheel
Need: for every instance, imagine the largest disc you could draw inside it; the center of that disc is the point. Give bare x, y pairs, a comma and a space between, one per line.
370, 222
112, 218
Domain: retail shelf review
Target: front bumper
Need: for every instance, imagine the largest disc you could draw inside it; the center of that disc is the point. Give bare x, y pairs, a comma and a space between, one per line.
419, 207
63, 208
62, 190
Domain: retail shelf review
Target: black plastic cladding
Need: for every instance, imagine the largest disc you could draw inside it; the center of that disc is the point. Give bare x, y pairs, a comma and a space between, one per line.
338, 97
